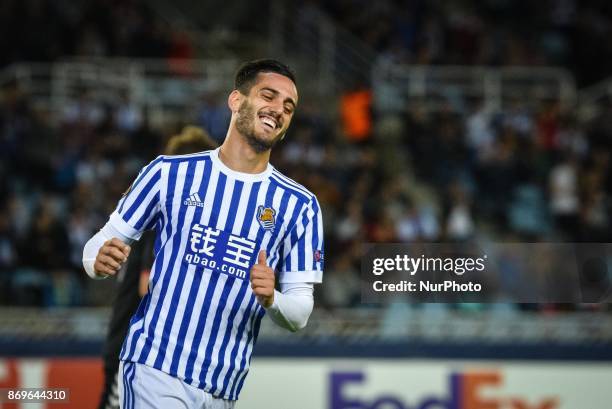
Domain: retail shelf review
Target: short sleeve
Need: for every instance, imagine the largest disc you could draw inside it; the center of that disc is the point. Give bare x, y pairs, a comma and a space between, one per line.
139, 207
303, 248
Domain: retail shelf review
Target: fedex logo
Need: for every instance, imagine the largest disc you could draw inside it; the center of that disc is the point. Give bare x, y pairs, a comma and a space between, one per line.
463, 393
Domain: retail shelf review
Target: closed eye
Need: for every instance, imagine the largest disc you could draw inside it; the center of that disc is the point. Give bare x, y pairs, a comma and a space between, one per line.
269, 94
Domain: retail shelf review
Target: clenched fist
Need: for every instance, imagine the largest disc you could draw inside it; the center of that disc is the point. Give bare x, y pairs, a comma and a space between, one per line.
111, 257
262, 281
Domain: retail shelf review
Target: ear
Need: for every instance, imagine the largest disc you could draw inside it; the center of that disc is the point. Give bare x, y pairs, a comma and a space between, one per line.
233, 101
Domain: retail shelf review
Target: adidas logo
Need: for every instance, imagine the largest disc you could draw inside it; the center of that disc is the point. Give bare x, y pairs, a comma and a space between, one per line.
194, 200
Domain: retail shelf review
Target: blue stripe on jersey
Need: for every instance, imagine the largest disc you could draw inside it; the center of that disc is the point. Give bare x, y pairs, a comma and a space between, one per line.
197, 339
188, 157
144, 355
141, 197
301, 200
294, 237
231, 215
301, 253
217, 200
250, 211
172, 174
291, 183
158, 239
315, 232
270, 195
215, 329
234, 353
165, 335
273, 243
226, 338
139, 178
293, 190
255, 335
140, 223
125, 386
252, 336
129, 370
153, 223
191, 298
138, 315
131, 382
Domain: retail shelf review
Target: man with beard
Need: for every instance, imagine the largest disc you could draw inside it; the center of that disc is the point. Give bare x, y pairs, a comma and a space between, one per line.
226, 220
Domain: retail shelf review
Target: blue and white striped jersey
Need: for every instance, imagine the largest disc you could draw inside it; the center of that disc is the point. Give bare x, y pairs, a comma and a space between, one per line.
200, 320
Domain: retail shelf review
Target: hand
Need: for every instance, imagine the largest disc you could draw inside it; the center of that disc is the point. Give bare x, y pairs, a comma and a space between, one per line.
111, 257
262, 281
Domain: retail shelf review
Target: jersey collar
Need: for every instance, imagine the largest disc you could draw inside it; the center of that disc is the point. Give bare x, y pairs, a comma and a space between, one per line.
246, 177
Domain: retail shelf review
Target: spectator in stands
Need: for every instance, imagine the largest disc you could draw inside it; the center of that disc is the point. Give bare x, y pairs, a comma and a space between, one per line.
344, 289
8, 254
564, 196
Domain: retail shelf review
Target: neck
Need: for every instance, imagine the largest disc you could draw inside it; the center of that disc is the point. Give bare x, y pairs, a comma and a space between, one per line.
237, 154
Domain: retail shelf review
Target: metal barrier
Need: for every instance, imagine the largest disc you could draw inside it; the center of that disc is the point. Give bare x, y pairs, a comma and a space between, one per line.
166, 88
329, 58
396, 323
592, 98
335, 60
435, 86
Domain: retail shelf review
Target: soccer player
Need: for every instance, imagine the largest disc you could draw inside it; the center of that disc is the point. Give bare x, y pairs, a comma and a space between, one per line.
226, 220
132, 281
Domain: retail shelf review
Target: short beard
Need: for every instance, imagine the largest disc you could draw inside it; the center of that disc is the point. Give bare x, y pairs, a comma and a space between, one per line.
245, 124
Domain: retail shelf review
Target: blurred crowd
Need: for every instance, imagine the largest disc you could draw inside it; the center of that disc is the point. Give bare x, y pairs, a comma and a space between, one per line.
47, 30
59, 179
521, 173
489, 32
515, 175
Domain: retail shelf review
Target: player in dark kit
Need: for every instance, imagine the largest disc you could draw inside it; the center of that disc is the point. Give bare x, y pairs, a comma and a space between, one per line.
133, 279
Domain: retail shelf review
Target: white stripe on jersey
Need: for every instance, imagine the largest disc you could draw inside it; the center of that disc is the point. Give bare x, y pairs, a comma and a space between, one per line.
200, 320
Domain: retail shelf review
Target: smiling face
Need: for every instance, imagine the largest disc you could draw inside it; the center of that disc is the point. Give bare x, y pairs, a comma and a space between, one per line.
265, 113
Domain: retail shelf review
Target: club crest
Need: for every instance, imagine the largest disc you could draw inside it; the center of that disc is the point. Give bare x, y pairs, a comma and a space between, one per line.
266, 216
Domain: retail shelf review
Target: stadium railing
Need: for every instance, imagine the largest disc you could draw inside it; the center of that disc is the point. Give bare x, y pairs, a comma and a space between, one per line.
435, 86
81, 331
167, 88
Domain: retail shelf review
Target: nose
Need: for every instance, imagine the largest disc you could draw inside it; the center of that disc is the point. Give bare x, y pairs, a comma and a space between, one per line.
276, 106
277, 109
